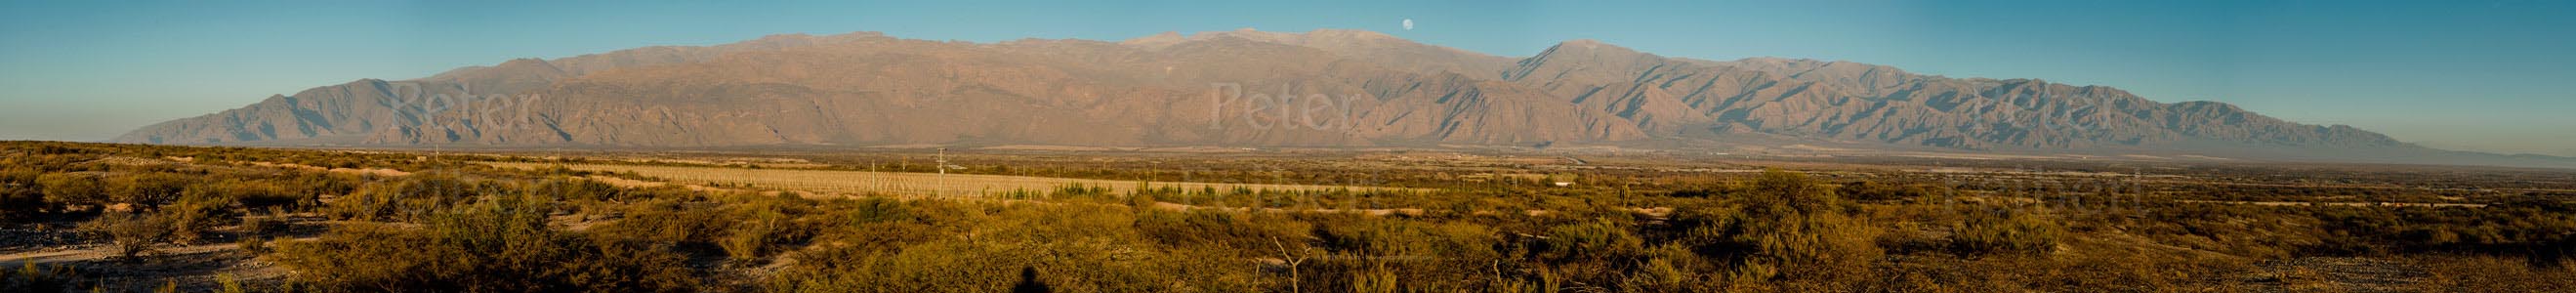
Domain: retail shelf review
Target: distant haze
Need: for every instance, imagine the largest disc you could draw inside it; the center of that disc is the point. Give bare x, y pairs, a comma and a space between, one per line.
2470, 75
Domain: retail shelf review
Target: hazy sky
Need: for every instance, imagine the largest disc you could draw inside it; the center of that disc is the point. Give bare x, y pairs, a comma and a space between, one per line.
2474, 75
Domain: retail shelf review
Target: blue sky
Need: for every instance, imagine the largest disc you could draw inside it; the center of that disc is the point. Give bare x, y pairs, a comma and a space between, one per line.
2473, 75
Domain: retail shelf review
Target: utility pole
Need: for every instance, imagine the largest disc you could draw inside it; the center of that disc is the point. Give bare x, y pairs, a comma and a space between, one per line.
943, 172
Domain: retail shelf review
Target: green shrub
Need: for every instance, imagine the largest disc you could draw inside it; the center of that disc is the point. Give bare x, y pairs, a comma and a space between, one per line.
578, 190
1376, 279
256, 244
30, 277
408, 199
1376, 236
73, 189
308, 187
668, 222
129, 234
1247, 235
1067, 248
875, 210
2005, 232
753, 236
1590, 242
502, 245
1789, 228
21, 196
267, 225
2493, 274
193, 215
148, 191
1885, 192
253, 195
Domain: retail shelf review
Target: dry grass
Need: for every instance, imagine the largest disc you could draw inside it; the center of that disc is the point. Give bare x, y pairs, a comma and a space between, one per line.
897, 183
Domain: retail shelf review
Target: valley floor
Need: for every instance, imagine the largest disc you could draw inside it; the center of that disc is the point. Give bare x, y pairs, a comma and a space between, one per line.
139, 218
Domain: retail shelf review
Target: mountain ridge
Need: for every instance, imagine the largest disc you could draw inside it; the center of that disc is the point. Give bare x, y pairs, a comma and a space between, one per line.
867, 88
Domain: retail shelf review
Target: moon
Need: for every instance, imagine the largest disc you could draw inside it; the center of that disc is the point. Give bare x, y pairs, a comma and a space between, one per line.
1408, 24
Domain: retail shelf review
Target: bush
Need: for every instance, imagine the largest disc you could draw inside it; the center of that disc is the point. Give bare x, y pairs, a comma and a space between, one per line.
256, 245
2005, 231
192, 216
1064, 248
495, 246
667, 222
30, 277
2493, 274
20, 194
578, 190
747, 229
751, 237
309, 187
269, 225
253, 195
1376, 278
1374, 236
72, 189
1253, 235
408, 199
129, 234
1590, 242
1885, 192
148, 191
1789, 228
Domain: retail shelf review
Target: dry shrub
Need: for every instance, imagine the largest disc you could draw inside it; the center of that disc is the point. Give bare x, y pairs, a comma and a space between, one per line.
21, 197
30, 277
269, 225
1380, 236
2495, 274
2005, 232
1791, 229
500, 245
1376, 279
1589, 242
129, 234
250, 194
73, 189
1246, 235
148, 190
748, 228
570, 189
193, 215
754, 235
1070, 248
409, 199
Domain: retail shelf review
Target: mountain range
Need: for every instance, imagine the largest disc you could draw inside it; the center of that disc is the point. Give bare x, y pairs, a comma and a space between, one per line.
1247, 88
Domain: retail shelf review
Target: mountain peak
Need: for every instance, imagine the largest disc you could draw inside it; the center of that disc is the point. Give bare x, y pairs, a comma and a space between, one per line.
1351, 34
1584, 59
1591, 48
786, 36
1308, 38
523, 62
1156, 41
1590, 44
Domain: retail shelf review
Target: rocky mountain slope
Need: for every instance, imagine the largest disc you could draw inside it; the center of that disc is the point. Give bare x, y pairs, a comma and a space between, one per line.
1235, 88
